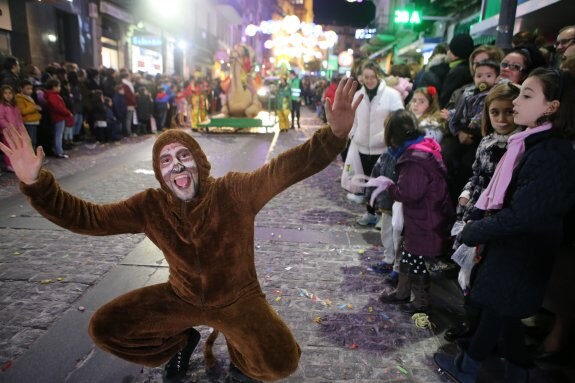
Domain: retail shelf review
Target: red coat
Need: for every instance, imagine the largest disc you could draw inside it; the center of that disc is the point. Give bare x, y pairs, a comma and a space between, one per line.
129, 96
57, 108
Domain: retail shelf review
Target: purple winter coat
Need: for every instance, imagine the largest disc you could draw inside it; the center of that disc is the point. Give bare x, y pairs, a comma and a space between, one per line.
427, 208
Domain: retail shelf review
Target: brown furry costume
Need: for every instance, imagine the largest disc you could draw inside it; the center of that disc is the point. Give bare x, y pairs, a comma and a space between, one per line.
208, 243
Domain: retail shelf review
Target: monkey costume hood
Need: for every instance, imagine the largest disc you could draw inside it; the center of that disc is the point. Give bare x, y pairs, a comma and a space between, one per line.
208, 243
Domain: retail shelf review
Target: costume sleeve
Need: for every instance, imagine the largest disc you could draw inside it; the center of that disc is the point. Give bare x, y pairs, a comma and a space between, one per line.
544, 193
82, 217
253, 190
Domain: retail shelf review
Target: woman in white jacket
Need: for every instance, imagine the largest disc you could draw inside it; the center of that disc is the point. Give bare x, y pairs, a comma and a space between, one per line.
368, 132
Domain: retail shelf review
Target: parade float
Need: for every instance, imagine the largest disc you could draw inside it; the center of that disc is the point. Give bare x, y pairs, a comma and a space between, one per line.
241, 106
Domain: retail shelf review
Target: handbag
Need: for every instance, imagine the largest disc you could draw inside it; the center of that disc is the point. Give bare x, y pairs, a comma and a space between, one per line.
351, 167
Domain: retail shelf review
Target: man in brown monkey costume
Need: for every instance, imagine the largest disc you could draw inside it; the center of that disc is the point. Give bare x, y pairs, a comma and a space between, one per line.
205, 228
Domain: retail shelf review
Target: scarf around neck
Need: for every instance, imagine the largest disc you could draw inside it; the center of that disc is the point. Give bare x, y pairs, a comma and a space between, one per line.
493, 196
397, 152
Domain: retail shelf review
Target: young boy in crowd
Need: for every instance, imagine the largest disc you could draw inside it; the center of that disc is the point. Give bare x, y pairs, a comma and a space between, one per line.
29, 109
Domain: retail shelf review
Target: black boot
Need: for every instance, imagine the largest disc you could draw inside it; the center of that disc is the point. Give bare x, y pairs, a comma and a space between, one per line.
462, 330
402, 294
421, 286
177, 367
236, 376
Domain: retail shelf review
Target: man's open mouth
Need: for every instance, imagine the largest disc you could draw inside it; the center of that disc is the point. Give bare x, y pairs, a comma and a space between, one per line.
182, 181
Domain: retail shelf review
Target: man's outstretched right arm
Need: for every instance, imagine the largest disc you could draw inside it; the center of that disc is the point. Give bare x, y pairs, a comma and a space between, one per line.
61, 207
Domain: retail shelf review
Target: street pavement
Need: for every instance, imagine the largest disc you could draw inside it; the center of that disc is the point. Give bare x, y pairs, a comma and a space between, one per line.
312, 261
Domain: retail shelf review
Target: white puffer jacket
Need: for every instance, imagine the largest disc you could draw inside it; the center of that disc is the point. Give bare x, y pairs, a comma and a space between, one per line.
368, 130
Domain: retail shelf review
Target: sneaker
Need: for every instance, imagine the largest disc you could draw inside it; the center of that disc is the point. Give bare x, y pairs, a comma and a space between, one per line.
382, 268
367, 219
177, 367
236, 376
378, 223
357, 198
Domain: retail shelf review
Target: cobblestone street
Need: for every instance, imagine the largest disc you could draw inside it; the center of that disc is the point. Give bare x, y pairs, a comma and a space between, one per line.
312, 261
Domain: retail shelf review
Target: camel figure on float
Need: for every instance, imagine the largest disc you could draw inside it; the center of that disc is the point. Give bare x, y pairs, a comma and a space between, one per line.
241, 96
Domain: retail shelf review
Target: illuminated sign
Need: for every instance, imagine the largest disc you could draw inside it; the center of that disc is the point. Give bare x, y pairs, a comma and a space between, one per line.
363, 34
147, 41
407, 17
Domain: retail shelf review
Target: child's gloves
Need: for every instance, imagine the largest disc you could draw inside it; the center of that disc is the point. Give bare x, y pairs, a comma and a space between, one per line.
380, 184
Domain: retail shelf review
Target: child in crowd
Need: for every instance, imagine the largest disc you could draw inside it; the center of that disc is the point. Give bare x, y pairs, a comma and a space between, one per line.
161, 106
498, 126
385, 166
9, 115
101, 129
114, 125
528, 197
120, 108
60, 116
144, 109
30, 110
465, 122
283, 104
425, 105
465, 127
422, 189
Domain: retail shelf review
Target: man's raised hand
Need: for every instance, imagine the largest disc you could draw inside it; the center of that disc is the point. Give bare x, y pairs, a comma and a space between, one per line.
25, 162
340, 116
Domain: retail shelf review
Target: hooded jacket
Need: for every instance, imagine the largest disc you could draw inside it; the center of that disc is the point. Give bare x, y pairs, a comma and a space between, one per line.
208, 242
427, 209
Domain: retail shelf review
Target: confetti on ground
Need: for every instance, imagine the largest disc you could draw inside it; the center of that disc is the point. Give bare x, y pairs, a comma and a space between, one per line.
361, 251
16, 253
6, 365
289, 268
13, 216
402, 370
60, 279
81, 308
317, 319
370, 309
278, 299
314, 298
276, 292
45, 281
353, 346
421, 320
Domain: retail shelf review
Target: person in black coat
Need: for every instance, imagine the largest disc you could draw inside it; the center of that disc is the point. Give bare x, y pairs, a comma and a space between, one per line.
145, 109
10, 74
522, 228
460, 47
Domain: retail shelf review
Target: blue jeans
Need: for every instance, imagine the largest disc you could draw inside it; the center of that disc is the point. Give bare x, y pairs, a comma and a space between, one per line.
58, 134
32, 130
78, 123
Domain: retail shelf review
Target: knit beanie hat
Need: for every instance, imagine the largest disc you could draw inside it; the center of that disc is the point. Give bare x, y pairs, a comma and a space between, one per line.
461, 46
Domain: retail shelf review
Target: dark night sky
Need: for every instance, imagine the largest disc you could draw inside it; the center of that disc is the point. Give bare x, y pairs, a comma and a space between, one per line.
340, 12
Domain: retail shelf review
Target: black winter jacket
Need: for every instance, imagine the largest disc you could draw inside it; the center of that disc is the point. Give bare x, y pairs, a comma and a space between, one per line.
522, 239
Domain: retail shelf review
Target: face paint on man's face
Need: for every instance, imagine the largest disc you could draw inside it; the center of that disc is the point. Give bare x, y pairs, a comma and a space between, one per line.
179, 171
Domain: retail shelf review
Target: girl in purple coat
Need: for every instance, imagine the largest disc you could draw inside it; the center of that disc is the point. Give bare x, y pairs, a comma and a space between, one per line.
422, 188
9, 115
